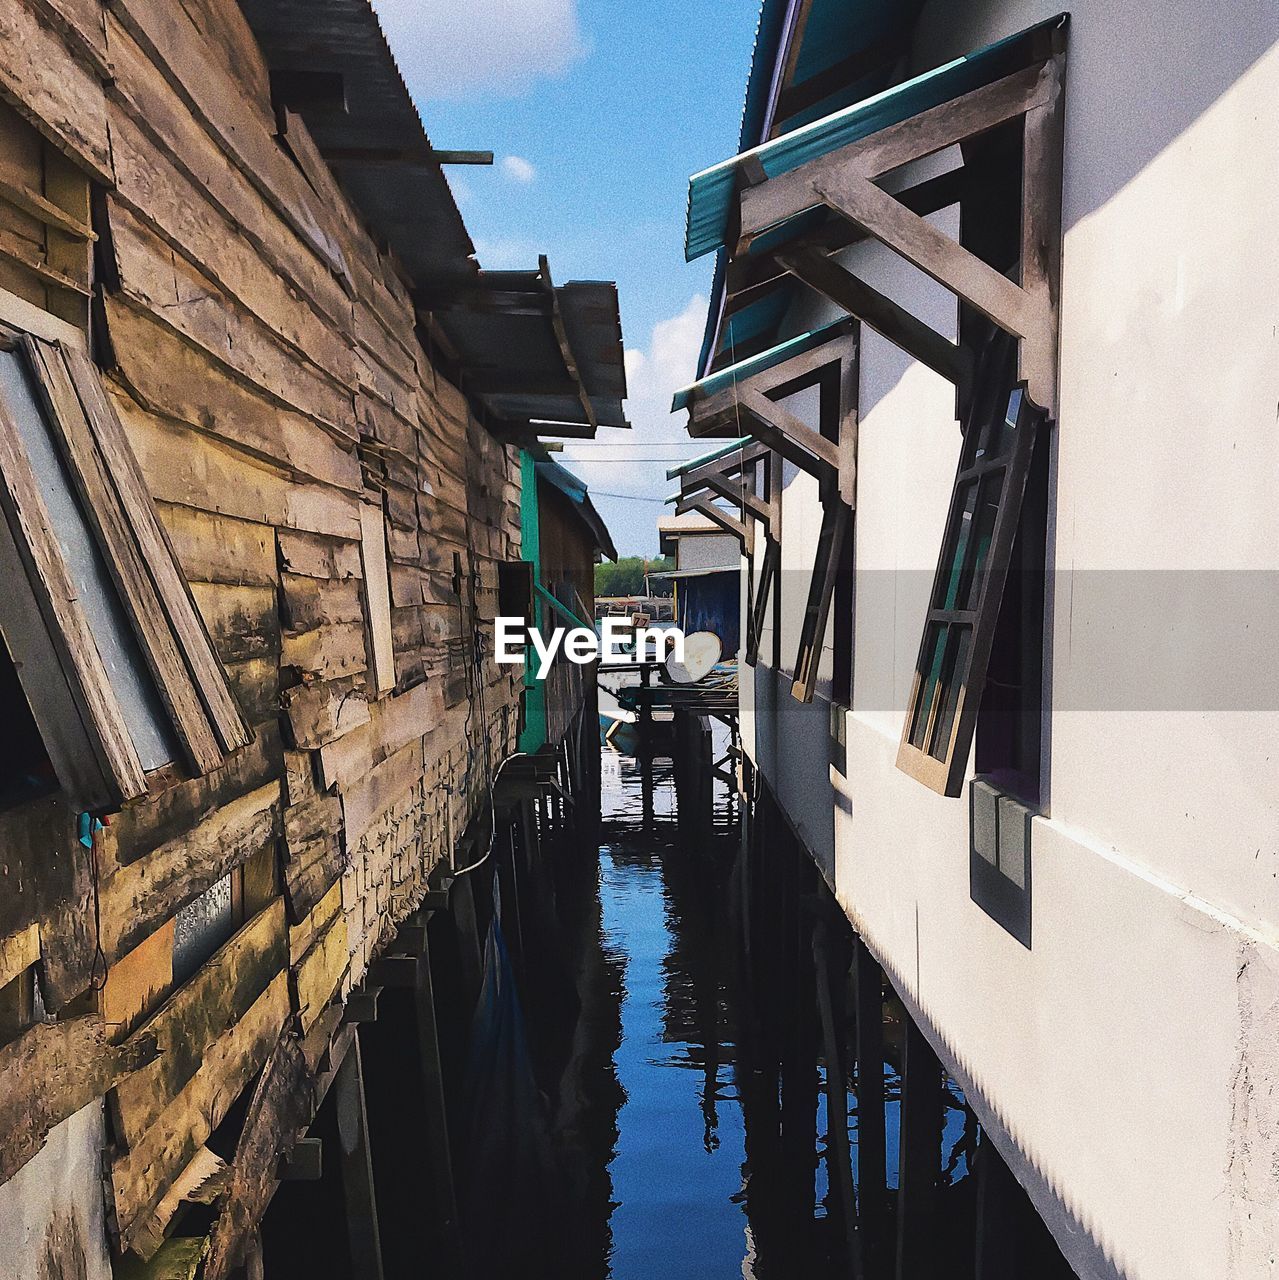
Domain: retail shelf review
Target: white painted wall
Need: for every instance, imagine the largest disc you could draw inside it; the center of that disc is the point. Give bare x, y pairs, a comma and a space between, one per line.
51, 1215
1129, 1061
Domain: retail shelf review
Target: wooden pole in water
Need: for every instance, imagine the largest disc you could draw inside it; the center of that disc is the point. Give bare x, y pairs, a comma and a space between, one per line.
872, 1161
920, 1162
357, 1168
439, 1153
997, 1195
836, 1098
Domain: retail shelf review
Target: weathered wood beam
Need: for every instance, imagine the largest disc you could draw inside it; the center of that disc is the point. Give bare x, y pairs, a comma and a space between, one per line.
281, 1106
933, 252
770, 202
757, 603
561, 337
729, 523
758, 274
356, 1161
825, 276
821, 591
779, 422
51, 1071
734, 491
730, 464
1042, 156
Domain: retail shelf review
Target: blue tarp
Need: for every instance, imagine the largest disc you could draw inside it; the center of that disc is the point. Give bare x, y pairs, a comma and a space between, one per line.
712, 602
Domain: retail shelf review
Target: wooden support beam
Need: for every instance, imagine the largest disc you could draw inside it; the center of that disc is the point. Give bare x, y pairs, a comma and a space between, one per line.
361, 1006
933, 252
739, 493
730, 464
894, 322
759, 274
919, 1164
872, 1163
775, 200
566, 349
757, 603
439, 1152
786, 434
838, 1143
1042, 156
355, 1157
821, 591
726, 521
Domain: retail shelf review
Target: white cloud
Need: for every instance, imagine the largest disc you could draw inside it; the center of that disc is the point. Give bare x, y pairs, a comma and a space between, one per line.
653, 376
517, 169
461, 48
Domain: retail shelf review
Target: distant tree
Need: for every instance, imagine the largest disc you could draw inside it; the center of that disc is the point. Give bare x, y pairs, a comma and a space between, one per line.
626, 576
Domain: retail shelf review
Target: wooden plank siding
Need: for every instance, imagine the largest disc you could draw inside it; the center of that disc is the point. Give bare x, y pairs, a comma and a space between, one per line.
257, 347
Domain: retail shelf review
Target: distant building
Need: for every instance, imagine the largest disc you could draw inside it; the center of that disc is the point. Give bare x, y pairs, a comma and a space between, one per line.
705, 578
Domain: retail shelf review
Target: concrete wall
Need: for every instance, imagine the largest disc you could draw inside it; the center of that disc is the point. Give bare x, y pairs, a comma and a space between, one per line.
1126, 1062
705, 550
51, 1215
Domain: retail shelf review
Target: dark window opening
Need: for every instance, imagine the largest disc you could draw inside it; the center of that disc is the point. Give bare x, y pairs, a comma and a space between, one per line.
1010, 722
515, 590
25, 769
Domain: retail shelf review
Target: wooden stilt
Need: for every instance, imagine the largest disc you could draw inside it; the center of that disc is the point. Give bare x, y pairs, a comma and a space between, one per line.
997, 1190
470, 949
439, 1153
920, 1162
512, 927
357, 1168
838, 1145
872, 1177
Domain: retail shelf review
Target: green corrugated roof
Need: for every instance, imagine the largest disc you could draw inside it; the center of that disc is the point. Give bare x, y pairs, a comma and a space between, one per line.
731, 447
712, 192
744, 369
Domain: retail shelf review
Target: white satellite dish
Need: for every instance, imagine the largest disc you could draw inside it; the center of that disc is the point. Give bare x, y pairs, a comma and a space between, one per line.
702, 650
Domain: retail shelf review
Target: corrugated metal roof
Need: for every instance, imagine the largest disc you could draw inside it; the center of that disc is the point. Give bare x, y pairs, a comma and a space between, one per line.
702, 459
769, 359
514, 365
377, 146
712, 192
502, 324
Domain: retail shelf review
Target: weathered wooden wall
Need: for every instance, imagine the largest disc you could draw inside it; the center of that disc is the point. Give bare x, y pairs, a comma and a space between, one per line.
260, 351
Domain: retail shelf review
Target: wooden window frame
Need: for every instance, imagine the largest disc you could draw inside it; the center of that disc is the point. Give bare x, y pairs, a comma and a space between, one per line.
379, 635
78, 712
946, 692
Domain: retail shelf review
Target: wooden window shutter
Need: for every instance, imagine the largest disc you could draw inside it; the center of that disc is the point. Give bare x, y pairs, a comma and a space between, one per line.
968, 588
113, 498
377, 597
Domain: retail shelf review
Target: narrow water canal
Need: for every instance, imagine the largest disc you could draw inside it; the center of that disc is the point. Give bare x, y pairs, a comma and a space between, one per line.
684, 1189
655, 1103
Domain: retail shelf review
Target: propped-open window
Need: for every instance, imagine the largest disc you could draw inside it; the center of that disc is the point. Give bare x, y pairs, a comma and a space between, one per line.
1000, 435
112, 656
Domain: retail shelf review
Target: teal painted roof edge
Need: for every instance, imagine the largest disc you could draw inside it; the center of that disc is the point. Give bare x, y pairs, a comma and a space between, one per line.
731, 447
711, 192
744, 369
579, 495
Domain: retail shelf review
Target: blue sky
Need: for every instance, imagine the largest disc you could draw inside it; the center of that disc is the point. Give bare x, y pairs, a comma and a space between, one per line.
598, 111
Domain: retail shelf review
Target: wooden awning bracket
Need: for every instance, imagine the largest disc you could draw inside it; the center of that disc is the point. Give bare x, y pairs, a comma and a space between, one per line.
751, 406
705, 505
845, 182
